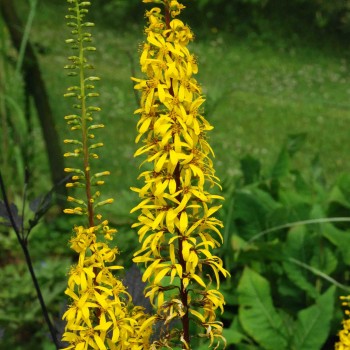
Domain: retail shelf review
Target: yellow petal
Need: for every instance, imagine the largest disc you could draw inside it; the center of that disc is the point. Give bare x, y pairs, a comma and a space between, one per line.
183, 222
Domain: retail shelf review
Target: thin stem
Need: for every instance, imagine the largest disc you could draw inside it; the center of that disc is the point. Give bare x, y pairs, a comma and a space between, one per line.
84, 123
23, 244
24, 238
177, 176
39, 294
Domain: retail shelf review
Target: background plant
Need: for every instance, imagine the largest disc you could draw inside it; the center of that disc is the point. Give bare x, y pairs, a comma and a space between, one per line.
288, 247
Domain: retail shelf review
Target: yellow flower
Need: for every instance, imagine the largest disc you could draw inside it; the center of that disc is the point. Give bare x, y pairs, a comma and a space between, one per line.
101, 315
176, 224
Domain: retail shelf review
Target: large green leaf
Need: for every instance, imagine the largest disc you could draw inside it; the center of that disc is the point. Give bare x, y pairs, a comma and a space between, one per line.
282, 166
341, 239
234, 334
296, 247
257, 313
292, 145
313, 324
324, 260
251, 168
252, 210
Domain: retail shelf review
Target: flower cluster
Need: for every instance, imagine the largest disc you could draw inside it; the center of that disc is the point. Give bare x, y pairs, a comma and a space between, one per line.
98, 317
344, 334
101, 315
176, 225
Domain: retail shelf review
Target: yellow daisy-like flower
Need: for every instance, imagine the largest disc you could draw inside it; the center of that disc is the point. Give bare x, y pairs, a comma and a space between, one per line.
176, 225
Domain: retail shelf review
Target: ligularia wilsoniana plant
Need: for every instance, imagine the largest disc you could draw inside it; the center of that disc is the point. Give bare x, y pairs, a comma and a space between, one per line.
176, 225
100, 315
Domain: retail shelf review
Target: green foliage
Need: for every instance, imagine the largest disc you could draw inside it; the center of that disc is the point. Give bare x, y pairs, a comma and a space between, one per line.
258, 15
313, 323
286, 254
20, 314
257, 314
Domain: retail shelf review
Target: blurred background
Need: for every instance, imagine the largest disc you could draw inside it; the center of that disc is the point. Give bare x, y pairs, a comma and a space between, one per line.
276, 78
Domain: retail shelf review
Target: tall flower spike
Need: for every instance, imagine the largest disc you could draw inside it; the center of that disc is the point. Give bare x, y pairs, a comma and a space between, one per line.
176, 225
100, 315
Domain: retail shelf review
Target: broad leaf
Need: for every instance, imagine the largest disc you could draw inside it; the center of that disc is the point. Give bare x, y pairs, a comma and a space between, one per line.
234, 334
257, 313
313, 324
282, 166
252, 210
341, 239
296, 247
324, 260
292, 145
251, 169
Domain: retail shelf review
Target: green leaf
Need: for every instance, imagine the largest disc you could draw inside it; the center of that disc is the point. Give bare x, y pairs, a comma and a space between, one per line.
313, 324
234, 334
251, 169
281, 167
257, 313
252, 209
292, 145
324, 260
296, 247
295, 142
341, 239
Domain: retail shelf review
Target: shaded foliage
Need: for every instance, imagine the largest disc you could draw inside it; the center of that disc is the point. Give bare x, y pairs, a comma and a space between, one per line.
284, 242
244, 15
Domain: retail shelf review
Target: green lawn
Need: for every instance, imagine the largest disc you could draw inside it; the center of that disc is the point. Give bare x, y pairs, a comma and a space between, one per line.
256, 93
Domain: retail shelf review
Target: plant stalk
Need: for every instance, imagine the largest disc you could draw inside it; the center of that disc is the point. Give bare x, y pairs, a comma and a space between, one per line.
84, 125
24, 246
183, 292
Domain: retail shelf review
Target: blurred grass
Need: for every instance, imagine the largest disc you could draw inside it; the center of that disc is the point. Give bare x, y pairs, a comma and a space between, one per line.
257, 92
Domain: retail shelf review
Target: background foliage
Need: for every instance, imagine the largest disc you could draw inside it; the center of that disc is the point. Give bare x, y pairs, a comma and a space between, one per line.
250, 14
276, 75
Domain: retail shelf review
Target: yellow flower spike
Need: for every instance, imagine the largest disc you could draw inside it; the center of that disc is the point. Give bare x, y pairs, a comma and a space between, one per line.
101, 315
176, 224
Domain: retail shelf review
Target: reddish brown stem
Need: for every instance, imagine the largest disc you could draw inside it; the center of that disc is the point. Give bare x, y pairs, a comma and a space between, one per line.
177, 175
183, 291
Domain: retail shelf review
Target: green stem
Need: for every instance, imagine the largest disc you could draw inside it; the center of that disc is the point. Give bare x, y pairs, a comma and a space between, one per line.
84, 122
